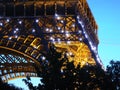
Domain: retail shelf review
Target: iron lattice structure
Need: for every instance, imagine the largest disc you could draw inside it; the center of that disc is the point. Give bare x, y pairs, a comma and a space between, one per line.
28, 26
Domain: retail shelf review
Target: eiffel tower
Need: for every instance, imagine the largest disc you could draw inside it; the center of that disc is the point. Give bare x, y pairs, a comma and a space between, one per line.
28, 26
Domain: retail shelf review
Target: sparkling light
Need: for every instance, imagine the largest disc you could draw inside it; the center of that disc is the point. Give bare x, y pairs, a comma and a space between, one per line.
86, 35
16, 29
10, 38
82, 25
59, 39
90, 43
56, 15
70, 53
36, 20
16, 36
94, 49
20, 22
8, 20
43, 58
73, 25
78, 17
61, 70
33, 30
47, 29
67, 54
51, 30
68, 42
51, 38
80, 22
80, 39
67, 34
62, 31
62, 21
80, 31
59, 28
1, 24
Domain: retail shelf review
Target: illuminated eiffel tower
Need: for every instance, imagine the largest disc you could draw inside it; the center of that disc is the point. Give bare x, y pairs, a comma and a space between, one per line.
28, 26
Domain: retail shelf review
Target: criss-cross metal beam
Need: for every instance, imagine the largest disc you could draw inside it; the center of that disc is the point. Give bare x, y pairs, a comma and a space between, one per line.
28, 26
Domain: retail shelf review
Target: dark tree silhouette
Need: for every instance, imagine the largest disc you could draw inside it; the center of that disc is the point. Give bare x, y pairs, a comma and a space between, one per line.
113, 71
6, 86
58, 73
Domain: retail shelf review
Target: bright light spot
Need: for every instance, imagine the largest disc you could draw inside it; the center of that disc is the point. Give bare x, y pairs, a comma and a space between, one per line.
20, 22
58, 17
61, 70
58, 39
82, 25
36, 20
10, 38
7, 20
16, 29
73, 25
90, 43
59, 28
56, 14
62, 21
80, 22
67, 54
43, 58
86, 35
62, 31
84, 32
51, 38
78, 17
93, 48
70, 53
1, 24
16, 36
68, 42
33, 30
47, 29
67, 34
51, 30
80, 39
80, 31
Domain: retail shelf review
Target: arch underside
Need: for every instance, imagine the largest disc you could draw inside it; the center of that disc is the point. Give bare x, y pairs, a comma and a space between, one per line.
16, 65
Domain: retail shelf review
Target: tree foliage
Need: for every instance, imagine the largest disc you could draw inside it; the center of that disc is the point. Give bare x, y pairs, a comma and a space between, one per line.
113, 71
57, 73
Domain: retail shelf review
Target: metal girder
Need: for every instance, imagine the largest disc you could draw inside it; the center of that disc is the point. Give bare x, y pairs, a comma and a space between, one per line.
12, 66
28, 26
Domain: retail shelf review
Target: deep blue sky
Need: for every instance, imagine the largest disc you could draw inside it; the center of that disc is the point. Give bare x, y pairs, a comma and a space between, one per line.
107, 16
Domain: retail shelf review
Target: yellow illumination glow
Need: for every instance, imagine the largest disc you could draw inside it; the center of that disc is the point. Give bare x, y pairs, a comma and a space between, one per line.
77, 52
